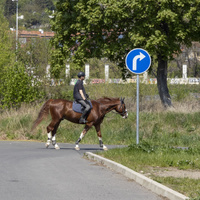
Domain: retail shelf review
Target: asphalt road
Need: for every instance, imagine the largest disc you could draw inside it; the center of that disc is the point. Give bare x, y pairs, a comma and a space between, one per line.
29, 171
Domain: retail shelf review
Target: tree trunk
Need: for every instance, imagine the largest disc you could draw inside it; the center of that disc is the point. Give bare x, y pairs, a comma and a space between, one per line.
162, 82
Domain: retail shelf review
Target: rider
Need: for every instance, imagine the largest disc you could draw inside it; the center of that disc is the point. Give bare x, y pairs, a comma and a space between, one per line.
81, 97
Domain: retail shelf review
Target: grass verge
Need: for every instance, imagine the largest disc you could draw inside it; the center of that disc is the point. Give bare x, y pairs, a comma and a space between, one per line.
147, 155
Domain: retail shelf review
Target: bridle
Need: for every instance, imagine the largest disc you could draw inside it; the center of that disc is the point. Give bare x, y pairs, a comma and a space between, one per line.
124, 110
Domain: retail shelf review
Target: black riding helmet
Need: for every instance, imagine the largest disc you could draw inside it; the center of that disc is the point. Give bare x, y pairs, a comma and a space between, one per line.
81, 74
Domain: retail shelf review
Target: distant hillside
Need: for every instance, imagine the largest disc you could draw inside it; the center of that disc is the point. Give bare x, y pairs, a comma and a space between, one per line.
34, 12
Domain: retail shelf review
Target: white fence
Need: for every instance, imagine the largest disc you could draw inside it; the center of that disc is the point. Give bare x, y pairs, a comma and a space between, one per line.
143, 78
194, 81
146, 81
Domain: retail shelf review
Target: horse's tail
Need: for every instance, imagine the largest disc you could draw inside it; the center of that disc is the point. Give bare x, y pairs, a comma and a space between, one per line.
44, 112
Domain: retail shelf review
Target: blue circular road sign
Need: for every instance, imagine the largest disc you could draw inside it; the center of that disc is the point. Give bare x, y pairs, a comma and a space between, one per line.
138, 61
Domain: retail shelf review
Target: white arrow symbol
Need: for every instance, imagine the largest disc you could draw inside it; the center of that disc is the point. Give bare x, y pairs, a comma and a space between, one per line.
141, 56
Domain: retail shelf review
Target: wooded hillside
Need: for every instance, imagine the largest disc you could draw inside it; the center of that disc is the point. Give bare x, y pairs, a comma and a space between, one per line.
36, 12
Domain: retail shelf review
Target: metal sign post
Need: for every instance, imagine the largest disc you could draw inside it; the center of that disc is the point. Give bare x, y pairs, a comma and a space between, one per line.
138, 61
137, 120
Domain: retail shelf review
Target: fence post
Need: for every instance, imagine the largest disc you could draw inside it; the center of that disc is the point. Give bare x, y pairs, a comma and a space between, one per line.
67, 70
106, 72
87, 71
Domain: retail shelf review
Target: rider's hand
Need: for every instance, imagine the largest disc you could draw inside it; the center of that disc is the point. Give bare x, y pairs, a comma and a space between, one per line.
86, 101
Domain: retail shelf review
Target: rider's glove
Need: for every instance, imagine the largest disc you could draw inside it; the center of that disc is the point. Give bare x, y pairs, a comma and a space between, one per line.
87, 96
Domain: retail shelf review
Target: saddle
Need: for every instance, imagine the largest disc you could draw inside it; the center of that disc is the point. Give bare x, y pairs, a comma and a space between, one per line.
77, 107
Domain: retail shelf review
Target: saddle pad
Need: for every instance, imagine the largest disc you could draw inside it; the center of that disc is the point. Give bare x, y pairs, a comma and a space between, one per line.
77, 107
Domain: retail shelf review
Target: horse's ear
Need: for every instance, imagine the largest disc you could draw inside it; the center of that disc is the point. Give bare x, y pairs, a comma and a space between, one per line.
123, 99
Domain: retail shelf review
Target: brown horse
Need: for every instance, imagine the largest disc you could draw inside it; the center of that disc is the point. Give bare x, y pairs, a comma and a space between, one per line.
62, 109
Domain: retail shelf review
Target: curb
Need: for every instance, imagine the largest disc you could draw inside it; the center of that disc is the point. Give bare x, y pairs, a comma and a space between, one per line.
148, 183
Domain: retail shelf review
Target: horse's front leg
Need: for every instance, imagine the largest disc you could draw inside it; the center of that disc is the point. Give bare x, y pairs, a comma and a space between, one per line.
85, 130
98, 129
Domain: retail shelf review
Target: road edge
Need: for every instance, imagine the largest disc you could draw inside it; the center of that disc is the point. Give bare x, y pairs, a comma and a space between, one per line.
148, 183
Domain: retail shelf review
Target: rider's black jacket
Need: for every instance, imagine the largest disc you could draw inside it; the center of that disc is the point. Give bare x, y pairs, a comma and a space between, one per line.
79, 86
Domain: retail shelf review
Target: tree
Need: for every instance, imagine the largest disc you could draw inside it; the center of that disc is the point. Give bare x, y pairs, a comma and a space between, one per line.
45, 4
192, 60
6, 51
10, 8
2, 4
34, 12
16, 86
110, 28
35, 56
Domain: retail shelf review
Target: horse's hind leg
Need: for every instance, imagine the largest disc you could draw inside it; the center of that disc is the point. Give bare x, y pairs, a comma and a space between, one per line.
51, 131
54, 136
49, 139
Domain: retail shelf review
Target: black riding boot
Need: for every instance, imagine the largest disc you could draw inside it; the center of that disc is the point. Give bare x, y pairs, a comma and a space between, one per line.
83, 118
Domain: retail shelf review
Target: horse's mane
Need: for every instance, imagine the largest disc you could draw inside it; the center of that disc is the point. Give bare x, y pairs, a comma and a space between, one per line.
107, 99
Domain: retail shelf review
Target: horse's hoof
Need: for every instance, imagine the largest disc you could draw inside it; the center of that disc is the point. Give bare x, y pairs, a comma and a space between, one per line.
77, 147
105, 148
57, 147
47, 145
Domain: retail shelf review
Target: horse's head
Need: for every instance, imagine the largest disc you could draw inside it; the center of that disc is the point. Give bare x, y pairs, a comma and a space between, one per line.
121, 109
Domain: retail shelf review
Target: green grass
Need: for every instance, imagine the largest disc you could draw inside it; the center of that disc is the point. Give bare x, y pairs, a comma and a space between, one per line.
144, 156
161, 132
95, 91
174, 128
189, 187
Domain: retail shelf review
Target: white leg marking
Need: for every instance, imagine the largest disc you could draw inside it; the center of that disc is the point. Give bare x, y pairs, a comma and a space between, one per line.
48, 143
105, 148
77, 147
54, 137
54, 142
56, 146
82, 135
49, 135
49, 139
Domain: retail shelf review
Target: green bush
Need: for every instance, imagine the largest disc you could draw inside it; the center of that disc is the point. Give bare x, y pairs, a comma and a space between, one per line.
17, 86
